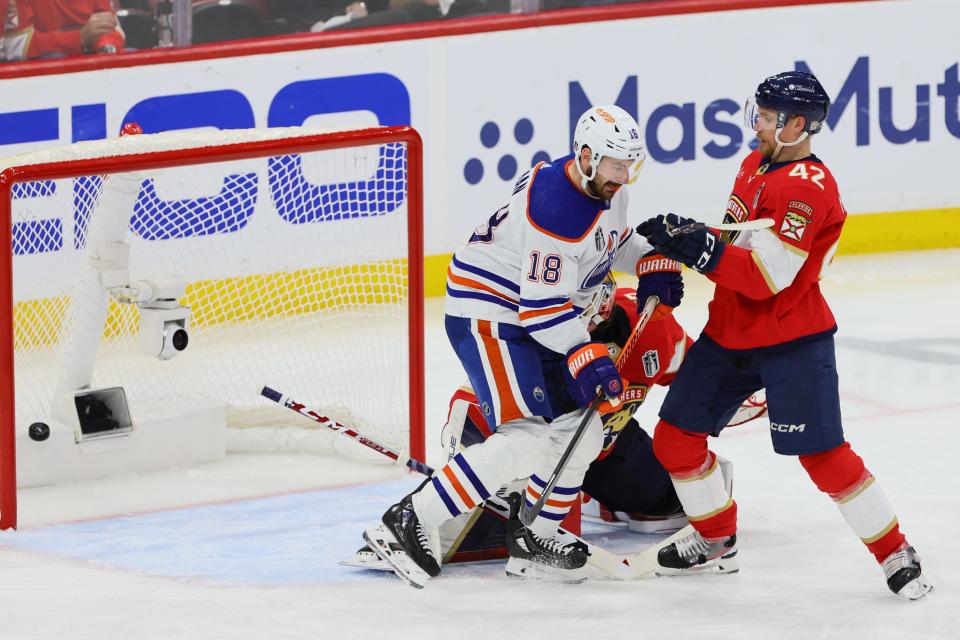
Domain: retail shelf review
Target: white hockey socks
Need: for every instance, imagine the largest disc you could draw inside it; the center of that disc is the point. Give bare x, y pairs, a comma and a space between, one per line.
473, 474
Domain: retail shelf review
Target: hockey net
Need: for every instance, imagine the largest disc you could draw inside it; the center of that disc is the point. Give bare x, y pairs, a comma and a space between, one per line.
298, 254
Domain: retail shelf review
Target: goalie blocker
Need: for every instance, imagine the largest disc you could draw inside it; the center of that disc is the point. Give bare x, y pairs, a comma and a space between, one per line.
625, 484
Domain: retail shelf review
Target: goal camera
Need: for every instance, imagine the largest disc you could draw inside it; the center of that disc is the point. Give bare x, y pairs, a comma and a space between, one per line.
164, 329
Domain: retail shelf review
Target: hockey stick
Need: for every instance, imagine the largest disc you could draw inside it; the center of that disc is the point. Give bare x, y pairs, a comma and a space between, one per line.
333, 425
645, 563
749, 225
614, 566
529, 514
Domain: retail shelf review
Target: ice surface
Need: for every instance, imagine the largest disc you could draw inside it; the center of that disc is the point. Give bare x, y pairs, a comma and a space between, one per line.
246, 548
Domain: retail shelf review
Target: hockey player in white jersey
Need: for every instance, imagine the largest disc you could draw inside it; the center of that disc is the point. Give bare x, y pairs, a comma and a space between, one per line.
515, 294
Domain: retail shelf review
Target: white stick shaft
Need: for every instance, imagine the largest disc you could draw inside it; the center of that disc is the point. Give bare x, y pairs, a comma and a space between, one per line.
749, 225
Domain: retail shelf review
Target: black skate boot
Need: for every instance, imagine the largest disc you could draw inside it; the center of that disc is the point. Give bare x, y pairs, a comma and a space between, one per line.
696, 554
559, 558
406, 544
902, 570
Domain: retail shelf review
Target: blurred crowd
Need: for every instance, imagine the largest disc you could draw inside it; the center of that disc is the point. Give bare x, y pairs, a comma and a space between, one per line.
39, 29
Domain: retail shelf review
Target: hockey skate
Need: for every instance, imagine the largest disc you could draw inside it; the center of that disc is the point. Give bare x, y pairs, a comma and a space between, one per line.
560, 558
365, 558
405, 544
902, 570
695, 554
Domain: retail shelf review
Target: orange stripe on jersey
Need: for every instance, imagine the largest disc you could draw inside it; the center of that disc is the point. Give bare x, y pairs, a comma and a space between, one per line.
451, 476
473, 284
508, 405
590, 228
526, 315
559, 504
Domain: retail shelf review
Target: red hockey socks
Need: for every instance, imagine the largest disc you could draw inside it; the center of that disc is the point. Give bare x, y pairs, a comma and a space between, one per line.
840, 474
697, 479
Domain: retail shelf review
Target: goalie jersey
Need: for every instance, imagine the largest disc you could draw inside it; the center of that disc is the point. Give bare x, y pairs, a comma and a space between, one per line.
537, 261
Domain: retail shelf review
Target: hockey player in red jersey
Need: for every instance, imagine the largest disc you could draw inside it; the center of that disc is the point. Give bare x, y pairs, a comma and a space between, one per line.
769, 326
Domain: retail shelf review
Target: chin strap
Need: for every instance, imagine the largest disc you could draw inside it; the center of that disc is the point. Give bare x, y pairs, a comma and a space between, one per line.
781, 144
584, 178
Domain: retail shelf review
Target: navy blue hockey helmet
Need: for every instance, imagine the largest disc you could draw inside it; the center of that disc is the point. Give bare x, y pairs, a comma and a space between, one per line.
795, 93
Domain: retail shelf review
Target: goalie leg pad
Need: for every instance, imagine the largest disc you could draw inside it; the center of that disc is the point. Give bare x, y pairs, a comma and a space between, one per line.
465, 424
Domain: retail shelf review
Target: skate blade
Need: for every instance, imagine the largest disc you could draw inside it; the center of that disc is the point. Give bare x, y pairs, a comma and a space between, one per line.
520, 569
371, 564
718, 566
380, 539
915, 589
366, 558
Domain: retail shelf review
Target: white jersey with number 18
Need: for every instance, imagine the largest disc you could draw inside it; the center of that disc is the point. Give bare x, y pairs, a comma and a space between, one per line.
538, 261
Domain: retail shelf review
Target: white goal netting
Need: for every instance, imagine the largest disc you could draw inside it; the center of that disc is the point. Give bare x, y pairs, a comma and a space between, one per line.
294, 266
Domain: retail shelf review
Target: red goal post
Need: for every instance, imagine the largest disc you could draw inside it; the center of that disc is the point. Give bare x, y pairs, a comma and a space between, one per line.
405, 269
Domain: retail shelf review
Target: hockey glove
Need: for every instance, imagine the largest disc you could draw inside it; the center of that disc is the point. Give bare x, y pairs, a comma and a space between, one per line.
659, 276
592, 371
699, 249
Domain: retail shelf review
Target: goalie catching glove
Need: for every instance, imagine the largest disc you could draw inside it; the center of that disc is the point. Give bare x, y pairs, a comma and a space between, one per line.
593, 370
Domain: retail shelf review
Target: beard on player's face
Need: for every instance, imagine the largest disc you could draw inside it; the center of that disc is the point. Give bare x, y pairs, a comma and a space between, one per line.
602, 188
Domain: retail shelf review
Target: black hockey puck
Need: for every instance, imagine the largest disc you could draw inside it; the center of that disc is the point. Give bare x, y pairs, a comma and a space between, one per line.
39, 431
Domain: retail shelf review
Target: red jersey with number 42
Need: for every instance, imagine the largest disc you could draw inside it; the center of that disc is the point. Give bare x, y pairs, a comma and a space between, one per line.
768, 289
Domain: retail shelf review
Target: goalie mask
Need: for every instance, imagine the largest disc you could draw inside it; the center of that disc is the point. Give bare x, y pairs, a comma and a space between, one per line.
613, 137
601, 304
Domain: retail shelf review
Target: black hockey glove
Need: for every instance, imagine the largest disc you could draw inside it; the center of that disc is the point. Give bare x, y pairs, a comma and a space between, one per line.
699, 249
659, 276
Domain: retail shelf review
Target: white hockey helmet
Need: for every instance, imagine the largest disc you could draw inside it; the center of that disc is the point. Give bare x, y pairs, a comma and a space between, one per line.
609, 132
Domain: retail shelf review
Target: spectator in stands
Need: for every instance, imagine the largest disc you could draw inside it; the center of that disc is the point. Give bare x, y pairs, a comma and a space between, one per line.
58, 28
385, 12
4, 7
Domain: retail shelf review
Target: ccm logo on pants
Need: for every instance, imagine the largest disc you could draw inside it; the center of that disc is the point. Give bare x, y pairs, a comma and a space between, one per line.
787, 428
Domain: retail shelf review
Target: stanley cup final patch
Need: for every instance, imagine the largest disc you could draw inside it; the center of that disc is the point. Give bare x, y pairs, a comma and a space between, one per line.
651, 363
794, 224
